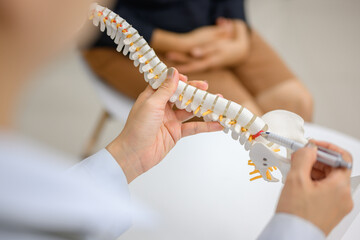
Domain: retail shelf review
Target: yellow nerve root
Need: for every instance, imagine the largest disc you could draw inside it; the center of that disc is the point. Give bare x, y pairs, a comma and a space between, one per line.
251, 163
207, 112
254, 178
197, 110
232, 122
268, 175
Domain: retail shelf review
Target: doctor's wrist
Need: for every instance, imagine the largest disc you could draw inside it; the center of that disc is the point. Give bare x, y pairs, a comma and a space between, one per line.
126, 158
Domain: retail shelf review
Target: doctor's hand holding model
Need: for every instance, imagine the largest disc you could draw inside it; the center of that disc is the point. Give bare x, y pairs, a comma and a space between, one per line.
304, 208
40, 200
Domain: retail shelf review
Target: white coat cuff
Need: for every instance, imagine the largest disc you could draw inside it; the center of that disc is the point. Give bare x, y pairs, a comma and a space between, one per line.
103, 167
288, 226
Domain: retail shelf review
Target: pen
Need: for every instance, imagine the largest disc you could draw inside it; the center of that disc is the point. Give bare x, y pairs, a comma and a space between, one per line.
324, 155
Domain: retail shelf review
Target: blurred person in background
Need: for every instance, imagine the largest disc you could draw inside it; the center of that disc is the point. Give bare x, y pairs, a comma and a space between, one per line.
205, 39
40, 200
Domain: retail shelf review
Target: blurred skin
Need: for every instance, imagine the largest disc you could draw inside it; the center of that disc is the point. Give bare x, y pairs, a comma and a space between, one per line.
38, 29
32, 32
204, 48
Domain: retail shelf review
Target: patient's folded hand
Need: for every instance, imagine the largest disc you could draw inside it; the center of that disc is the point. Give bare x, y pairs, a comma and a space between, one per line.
154, 127
164, 41
223, 51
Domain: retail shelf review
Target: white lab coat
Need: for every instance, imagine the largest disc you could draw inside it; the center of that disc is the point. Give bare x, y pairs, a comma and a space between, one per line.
41, 200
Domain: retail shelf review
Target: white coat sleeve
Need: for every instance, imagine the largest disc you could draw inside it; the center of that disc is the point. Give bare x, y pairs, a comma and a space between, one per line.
286, 226
88, 201
102, 171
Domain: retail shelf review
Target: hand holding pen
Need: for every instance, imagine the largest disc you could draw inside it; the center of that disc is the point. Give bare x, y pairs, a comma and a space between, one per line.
317, 192
324, 155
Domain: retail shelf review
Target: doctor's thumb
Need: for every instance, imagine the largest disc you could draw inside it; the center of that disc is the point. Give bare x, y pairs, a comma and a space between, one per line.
168, 87
303, 159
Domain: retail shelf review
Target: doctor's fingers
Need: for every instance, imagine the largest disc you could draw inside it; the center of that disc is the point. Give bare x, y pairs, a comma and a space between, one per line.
149, 91
345, 154
302, 162
183, 77
192, 128
338, 177
317, 175
337, 172
321, 167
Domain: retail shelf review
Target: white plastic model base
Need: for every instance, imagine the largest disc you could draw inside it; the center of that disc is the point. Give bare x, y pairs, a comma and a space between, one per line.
244, 125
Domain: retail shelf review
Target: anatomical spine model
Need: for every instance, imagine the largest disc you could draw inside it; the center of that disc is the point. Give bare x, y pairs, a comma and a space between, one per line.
244, 125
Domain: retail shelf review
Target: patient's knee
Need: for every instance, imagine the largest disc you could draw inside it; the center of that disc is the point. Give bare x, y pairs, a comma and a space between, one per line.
291, 95
304, 103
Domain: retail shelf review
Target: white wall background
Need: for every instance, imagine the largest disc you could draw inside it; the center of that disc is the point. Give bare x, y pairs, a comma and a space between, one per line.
320, 41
